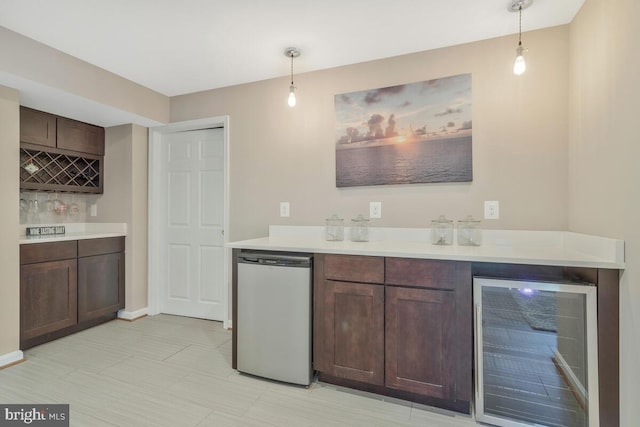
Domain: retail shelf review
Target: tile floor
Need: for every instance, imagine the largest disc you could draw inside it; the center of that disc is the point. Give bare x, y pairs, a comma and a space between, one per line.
176, 371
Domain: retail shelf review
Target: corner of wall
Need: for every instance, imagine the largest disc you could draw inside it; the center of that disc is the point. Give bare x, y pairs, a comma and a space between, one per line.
9, 222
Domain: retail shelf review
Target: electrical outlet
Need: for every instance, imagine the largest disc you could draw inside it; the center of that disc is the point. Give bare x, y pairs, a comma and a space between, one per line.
492, 209
375, 209
284, 209
93, 209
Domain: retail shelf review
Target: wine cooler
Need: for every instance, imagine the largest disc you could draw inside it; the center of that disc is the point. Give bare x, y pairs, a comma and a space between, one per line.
536, 353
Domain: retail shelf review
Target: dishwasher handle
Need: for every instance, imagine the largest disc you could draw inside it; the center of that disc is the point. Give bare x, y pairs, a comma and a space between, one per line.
278, 260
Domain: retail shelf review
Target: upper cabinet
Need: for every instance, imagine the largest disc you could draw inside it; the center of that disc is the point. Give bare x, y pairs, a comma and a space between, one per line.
37, 127
60, 154
78, 136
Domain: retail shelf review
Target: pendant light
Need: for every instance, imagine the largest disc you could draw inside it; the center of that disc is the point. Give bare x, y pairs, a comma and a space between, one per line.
519, 66
292, 52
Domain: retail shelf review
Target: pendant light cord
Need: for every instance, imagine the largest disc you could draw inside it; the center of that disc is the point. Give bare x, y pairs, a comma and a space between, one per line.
291, 55
519, 31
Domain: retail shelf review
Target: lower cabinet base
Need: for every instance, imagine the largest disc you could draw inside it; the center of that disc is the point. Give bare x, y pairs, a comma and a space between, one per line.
41, 339
457, 406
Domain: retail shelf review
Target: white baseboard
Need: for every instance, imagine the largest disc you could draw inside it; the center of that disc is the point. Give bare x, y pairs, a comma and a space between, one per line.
227, 324
133, 315
11, 358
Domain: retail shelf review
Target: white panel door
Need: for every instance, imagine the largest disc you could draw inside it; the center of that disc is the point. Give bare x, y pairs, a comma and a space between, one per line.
192, 274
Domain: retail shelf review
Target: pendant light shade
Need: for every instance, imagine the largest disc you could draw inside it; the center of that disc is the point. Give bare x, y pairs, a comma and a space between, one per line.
519, 66
292, 52
292, 96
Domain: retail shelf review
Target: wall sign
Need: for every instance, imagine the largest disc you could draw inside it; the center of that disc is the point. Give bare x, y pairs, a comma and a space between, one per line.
45, 231
411, 133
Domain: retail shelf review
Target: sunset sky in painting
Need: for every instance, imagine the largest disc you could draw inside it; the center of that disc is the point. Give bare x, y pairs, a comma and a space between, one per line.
433, 108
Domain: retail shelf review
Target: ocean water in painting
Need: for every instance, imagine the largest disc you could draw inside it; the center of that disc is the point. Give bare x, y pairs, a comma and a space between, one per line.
419, 161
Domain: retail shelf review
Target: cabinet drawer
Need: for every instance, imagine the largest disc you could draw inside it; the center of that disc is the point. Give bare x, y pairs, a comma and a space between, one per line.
354, 268
51, 251
423, 273
107, 245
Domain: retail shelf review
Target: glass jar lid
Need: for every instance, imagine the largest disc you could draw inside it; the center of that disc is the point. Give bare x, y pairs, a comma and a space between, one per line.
334, 218
360, 219
442, 220
469, 220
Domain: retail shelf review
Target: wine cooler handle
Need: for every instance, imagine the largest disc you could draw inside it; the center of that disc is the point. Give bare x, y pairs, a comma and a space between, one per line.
477, 324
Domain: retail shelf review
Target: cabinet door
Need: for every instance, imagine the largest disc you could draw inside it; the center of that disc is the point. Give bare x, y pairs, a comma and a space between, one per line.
48, 297
420, 341
351, 345
100, 285
78, 136
37, 127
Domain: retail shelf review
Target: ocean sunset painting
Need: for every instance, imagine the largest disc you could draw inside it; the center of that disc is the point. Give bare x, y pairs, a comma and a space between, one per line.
406, 134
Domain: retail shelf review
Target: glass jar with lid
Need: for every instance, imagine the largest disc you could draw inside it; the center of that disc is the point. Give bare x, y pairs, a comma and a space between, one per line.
469, 232
360, 229
442, 231
334, 229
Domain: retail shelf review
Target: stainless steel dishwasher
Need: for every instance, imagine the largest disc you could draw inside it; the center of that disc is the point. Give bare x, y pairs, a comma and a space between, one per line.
274, 316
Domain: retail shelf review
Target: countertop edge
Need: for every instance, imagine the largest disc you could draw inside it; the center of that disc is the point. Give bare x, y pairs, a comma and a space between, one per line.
66, 237
75, 231
551, 256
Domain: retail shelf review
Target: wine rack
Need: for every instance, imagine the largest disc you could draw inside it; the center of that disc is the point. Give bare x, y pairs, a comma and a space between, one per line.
59, 170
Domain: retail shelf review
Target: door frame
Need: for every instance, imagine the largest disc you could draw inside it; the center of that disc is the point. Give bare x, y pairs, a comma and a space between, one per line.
157, 200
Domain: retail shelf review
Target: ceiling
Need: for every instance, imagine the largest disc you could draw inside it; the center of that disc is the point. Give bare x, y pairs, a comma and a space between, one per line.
177, 47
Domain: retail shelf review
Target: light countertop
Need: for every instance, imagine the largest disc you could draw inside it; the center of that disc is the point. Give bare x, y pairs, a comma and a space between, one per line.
75, 231
556, 248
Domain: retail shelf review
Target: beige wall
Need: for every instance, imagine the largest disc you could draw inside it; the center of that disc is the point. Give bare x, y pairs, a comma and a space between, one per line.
519, 140
9, 221
33, 61
125, 200
139, 214
604, 150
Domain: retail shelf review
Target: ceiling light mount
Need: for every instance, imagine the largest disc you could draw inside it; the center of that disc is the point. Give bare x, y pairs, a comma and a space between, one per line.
292, 52
518, 5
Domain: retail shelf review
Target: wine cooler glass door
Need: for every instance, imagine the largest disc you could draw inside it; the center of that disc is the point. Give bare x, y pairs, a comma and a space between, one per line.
536, 353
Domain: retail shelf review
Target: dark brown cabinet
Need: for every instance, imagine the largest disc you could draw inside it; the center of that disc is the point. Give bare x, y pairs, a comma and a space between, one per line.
82, 137
353, 332
47, 297
69, 286
429, 328
100, 277
420, 346
60, 154
395, 326
351, 314
37, 127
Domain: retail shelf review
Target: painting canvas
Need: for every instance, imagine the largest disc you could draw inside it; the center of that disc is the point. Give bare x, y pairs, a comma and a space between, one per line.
411, 133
